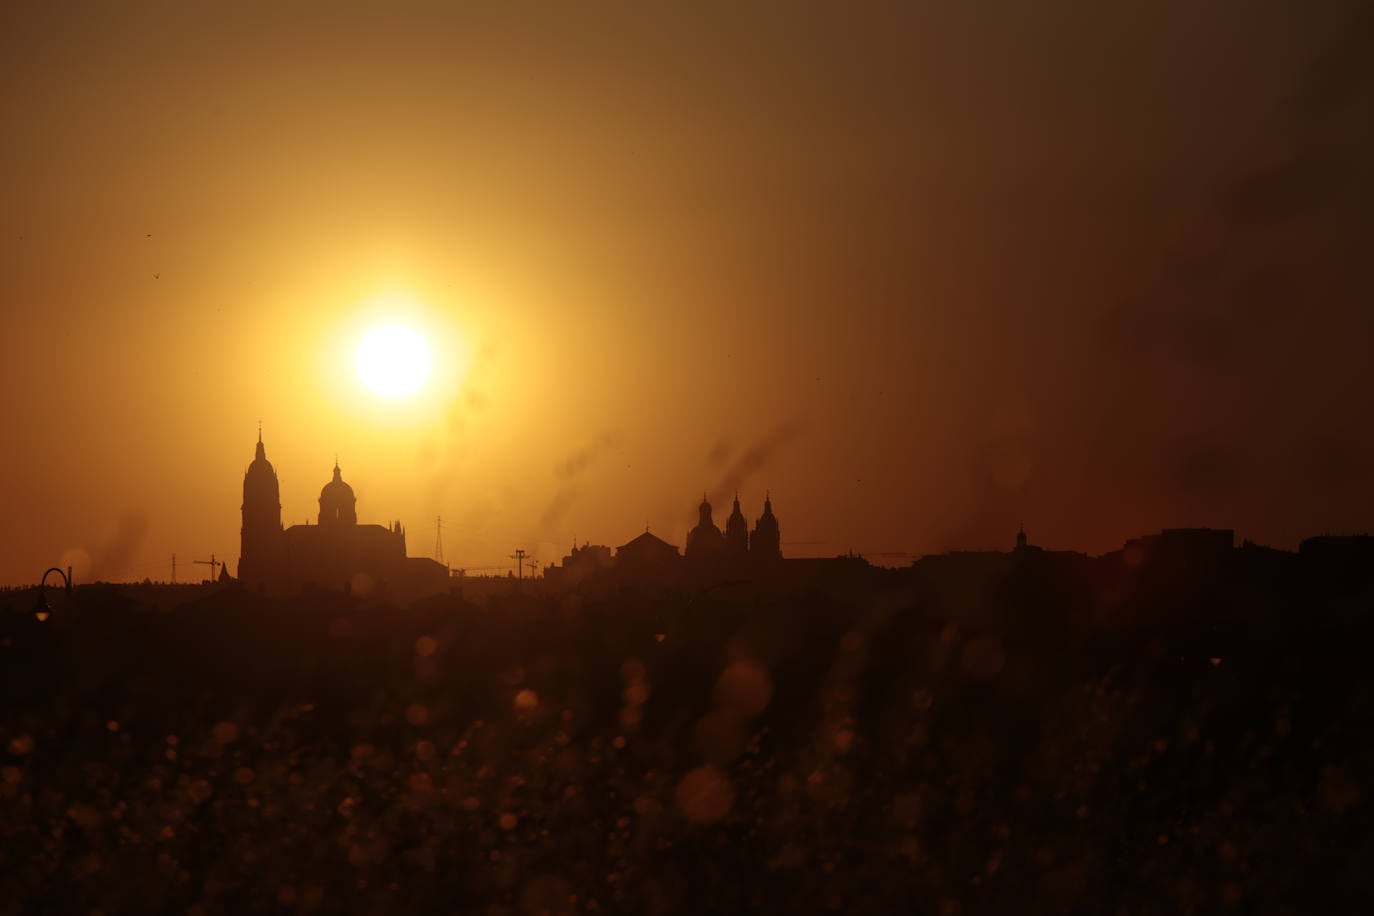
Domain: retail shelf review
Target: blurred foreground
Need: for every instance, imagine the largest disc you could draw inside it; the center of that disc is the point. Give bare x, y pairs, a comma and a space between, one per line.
875, 743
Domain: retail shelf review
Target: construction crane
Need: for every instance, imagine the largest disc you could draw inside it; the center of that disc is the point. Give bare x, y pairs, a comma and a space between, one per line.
519, 558
212, 563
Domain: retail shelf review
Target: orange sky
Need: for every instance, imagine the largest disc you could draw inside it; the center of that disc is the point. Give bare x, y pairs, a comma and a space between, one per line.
925, 272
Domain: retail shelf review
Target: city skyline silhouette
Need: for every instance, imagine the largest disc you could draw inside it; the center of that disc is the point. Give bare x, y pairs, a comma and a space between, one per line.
557, 458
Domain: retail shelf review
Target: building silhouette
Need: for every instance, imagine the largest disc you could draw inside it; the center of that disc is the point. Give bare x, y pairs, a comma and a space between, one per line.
704, 542
706, 545
648, 560
765, 544
1191, 548
737, 533
336, 553
579, 565
260, 536
710, 555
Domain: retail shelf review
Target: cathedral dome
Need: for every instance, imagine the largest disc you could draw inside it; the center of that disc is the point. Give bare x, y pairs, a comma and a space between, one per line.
337, 488
705, 538
337, 502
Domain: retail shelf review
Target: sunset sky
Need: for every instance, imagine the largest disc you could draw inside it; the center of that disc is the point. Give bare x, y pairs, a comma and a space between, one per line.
925, 271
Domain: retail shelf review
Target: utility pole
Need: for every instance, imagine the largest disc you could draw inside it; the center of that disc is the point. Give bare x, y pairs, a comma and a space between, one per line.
519, 558
174, 569
439, 539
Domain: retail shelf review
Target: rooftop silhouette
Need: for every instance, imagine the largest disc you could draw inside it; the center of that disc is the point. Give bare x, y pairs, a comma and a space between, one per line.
337, 552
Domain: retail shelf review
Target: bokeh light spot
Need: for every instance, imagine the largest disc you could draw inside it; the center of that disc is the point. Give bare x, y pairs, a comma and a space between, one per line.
705, 795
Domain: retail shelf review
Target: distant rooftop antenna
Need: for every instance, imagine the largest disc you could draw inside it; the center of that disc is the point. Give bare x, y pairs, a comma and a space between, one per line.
439, 539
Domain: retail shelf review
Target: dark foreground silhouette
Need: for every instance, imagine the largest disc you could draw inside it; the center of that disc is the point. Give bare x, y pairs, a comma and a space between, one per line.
887, 742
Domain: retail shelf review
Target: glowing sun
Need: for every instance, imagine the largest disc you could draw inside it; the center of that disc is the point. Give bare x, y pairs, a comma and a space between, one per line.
393, 360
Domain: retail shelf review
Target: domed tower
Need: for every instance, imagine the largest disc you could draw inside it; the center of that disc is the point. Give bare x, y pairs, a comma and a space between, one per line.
705, 539
736, 532
765, 544
338, 505
260, 536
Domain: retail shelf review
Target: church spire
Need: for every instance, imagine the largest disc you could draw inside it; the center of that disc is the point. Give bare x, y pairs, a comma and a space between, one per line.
737, 531
764, 541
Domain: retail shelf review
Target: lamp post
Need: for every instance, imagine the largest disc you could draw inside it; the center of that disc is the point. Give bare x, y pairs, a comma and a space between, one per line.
42, 609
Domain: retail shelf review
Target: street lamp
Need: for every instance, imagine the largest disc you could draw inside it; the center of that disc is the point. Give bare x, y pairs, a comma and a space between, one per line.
42, 609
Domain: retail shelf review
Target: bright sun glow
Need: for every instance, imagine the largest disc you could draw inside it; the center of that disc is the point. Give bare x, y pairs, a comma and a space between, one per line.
393, 360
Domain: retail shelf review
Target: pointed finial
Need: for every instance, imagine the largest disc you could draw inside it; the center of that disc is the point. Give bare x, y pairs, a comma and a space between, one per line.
259, 430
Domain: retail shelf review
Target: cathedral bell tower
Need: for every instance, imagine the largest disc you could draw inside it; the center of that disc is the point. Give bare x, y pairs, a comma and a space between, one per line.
737, 532
765, 543
260, 536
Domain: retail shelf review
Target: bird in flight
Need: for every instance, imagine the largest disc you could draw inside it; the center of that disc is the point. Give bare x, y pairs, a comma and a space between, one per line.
157, 276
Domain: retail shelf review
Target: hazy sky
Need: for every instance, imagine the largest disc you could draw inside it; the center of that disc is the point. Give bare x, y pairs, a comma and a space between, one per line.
924, 270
